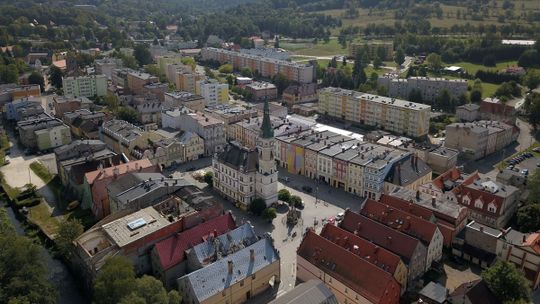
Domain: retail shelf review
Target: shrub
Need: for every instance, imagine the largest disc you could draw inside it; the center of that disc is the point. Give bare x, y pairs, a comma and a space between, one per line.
284, 195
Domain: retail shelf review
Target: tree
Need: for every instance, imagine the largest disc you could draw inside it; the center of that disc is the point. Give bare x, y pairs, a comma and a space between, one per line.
209, 178
257, 206
226, 68
151, 290
269, 213
128, 114
246, 72
142, 54
506, 282
9, 73
489, 60
444, 101
295, 201
532, 109
476, 96
111, 100
55, 75
130, 62
36, 78
281, 82
532, 79
399, 57
434, 61
529, 58
377, 62
528, 218
276, 42
533, 185
284, 195
68, 231
133, 298
174, 297
115, 280
358, 74
23, 269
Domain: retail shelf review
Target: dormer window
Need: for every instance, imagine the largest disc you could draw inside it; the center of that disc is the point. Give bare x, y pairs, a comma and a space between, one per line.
478, 204
466, 200
492, 208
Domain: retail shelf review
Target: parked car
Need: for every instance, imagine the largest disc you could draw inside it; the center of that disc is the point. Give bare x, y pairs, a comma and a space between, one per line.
308, 189
537, 149
340, 216
285, 179
538, 164
525, 171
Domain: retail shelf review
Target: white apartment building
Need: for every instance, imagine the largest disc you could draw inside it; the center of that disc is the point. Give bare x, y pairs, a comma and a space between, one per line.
210, 129
86, 86
267, 67
213, 91
395, 115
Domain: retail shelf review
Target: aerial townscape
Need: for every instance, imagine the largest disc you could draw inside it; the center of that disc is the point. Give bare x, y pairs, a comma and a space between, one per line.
269, 152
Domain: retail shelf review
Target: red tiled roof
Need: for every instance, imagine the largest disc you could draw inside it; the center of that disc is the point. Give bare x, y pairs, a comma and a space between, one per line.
92, 176
368, 251
400, 220
384, 236
351, 270
171, 251
533, 241
405, 206
452, 174
484, 196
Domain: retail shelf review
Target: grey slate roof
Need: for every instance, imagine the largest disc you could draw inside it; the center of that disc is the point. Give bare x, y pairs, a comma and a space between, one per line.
404, 172
435, 292
310, 292
129, 180
226, 244
234, 157
215, 278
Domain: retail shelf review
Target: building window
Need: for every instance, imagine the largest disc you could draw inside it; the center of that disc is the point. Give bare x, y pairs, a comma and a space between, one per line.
242, 283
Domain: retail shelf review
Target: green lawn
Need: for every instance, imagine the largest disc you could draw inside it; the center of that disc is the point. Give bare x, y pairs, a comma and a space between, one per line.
40, 216
41, 171
319, 49
472, 68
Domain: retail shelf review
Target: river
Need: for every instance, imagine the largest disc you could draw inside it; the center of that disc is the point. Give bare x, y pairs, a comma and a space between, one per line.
59, 275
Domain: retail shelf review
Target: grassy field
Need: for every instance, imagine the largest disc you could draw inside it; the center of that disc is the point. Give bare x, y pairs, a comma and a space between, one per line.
472, 68
41, 216
311, 49
448, 18
41, 171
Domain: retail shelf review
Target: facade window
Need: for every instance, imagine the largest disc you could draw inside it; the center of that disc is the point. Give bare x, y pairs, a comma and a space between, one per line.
478, 204
242, 283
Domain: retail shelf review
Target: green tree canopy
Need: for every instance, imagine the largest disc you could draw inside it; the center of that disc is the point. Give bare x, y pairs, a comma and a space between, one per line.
56, 75
507, 282
257, 206
142, 54
115, 280
270, 213
399, 57
295, 201
209, 178
528, 218
68, 231
533, 185
434, 61
226, 68
532, 79
36, 78
284, 195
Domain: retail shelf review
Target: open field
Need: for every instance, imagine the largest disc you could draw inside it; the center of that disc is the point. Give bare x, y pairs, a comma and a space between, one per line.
311, 49
448, 18
472, 68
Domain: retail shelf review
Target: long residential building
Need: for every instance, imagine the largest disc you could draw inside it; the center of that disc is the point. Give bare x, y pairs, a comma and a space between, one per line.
429, 88
394, 115
267, 67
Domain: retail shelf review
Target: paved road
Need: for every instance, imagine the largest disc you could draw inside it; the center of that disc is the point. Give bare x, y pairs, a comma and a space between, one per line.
18, 172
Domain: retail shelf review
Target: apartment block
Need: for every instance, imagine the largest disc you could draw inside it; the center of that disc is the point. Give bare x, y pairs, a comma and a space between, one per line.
183, 77
429, 87
468, 112
267, 67
19, 109
189, 100
63, 104
165, 60
374, 48
230, 115
212, 91
43, 132
259, 91
84, 123
12, 91
319, 258
106, 66
297, 94
137, 80
476, 140
124, 138
85, 86
210, 129
394, 115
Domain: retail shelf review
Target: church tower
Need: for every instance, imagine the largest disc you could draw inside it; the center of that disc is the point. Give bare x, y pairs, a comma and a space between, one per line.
267, 176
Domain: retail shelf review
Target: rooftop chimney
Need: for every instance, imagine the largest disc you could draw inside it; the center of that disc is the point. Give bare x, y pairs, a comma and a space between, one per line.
524, 238
230, 266
481, 228
433, 201
251, 255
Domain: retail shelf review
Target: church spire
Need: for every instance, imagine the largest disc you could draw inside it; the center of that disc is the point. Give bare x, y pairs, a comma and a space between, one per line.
266, 128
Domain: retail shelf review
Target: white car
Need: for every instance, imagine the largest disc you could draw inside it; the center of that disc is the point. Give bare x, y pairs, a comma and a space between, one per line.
340, 216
